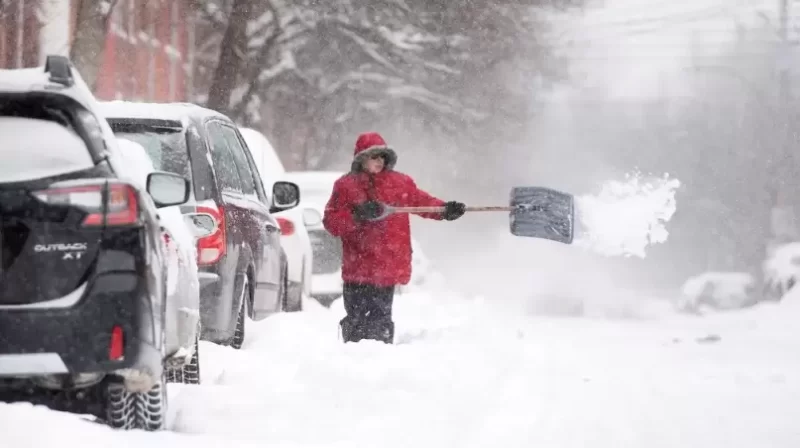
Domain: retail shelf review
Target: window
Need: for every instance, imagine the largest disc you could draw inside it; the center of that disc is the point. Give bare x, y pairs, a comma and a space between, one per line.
263, 195
221, 157
166, 147
240, 159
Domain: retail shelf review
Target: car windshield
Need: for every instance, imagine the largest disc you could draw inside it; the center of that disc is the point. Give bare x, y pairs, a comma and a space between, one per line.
166, 147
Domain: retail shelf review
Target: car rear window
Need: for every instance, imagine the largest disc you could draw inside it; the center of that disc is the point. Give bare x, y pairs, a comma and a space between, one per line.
35, 148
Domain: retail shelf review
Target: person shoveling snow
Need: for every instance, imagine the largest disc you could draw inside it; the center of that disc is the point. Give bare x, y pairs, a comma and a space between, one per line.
369, 206
376, 252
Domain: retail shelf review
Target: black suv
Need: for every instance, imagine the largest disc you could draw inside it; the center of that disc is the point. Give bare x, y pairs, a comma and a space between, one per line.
243, 269
83, 294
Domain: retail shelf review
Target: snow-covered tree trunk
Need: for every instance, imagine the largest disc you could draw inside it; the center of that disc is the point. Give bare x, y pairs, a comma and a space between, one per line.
233, 51
87, 47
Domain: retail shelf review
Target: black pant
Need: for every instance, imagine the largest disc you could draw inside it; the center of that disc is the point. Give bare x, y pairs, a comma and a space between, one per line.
369, 313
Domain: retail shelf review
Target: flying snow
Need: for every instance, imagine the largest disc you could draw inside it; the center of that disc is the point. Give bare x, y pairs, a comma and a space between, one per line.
626, 217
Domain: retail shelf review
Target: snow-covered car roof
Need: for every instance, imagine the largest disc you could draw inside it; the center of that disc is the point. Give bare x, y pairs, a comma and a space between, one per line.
313, 180
315, 186
35, 79
269, 164
24, 79
164, 111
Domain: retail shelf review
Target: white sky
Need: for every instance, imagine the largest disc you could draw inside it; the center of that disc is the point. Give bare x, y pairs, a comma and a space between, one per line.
630, 47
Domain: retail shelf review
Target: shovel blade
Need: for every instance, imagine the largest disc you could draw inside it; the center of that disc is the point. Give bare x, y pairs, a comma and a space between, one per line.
542, 213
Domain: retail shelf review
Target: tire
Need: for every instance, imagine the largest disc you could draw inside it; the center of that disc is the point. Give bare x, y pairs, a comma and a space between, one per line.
120, 406
239, 333
295, 302
136, 410
150, 407
189, 373
283, 293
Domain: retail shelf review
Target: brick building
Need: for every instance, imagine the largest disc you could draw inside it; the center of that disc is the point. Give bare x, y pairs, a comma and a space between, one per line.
148, 48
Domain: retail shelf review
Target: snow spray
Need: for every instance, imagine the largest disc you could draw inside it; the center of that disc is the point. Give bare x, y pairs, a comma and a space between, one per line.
626, 217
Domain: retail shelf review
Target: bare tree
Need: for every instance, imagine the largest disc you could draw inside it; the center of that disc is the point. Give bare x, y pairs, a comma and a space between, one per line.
88, 45
309, 73
232, 56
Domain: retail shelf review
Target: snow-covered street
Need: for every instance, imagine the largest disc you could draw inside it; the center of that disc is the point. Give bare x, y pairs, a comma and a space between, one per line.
467, 373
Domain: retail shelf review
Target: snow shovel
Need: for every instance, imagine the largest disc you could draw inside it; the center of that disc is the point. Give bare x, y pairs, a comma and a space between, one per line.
534, 212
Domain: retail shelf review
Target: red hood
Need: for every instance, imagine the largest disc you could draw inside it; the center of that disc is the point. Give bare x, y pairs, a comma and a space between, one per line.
370, 143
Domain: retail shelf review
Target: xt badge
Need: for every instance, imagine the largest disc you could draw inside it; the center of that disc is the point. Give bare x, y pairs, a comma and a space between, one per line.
72, 256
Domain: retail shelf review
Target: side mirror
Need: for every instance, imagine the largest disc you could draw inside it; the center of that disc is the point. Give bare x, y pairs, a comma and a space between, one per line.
285, 195
311, 217
167, 189
200, 224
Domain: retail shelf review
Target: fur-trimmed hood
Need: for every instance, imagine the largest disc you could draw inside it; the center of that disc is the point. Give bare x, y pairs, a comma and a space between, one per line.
370, 143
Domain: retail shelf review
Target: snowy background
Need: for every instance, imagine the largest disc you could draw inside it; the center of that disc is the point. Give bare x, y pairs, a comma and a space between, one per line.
468, 373
670, 323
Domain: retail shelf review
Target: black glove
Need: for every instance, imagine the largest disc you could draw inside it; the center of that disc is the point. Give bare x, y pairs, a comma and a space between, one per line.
453, 210
367, 210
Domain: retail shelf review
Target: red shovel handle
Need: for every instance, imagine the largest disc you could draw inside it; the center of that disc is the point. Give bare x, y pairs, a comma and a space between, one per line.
388, 210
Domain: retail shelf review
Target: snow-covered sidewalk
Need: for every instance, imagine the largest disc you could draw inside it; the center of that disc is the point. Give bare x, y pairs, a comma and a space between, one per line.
466, 373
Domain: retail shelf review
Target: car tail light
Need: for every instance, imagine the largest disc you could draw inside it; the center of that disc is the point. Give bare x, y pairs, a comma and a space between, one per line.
287, 226
212, 247
116, 347
110, 204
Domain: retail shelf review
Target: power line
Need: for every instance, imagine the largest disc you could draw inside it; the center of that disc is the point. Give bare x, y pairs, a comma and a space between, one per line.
628, 27
683, 16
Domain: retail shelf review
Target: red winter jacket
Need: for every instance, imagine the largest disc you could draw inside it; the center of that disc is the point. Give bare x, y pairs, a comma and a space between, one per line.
375, 252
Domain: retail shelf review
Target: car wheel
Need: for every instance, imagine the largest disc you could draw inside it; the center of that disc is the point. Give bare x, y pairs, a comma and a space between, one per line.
191, 371
301, 288
295, 293
151, 406
120, 406
284, 290
238, 334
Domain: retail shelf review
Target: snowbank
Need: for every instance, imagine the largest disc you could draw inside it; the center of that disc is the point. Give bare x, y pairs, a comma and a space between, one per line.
717, 290
781, 270
470, 373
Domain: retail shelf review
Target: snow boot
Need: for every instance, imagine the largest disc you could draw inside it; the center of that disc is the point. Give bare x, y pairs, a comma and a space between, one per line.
352, 330
380, 330
384, 332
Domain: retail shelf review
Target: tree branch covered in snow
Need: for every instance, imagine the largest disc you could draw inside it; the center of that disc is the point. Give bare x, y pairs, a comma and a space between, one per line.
341, 66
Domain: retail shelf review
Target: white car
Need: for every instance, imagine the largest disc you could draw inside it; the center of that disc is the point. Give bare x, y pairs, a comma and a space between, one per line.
183, 283
294, 236
315, 186
315, 189
326, 270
